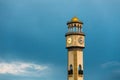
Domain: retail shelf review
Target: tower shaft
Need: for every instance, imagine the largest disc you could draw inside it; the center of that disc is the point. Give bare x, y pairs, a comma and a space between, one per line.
75, 58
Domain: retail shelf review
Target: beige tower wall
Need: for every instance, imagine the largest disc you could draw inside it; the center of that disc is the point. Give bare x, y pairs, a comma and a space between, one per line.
80, 61
80, 58
75, 57
70, 61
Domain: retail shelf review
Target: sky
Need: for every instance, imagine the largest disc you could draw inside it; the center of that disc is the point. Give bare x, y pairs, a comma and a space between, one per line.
32, 38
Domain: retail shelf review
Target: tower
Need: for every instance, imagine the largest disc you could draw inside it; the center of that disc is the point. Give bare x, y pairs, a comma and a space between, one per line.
75, 45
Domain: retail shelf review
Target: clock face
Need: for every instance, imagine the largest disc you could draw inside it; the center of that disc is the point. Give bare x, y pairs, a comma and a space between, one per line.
69, 40
80, 40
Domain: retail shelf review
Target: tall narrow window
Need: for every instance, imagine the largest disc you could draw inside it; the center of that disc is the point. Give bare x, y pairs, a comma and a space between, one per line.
71, 70
71, 67
74, 29
80, 71
79, 68
77, 29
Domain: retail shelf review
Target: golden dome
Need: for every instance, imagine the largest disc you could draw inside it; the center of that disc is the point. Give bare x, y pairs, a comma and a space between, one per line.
74, 19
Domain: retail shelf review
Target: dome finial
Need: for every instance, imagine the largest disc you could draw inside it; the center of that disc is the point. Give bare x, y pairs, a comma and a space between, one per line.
74, 19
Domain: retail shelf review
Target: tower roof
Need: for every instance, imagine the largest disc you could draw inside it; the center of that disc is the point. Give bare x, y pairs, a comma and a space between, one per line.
75, 20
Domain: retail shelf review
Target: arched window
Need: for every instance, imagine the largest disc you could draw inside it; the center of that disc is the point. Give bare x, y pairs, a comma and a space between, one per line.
74, 29
79, 68
80, 71
71, 70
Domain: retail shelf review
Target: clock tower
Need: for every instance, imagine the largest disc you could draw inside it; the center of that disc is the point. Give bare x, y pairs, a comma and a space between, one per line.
75, 45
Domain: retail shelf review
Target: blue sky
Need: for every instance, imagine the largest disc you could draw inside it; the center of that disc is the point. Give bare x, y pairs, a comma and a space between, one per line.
32, 38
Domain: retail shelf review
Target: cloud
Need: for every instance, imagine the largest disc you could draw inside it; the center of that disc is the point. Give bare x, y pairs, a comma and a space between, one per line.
110, 64
111, 70
23, 69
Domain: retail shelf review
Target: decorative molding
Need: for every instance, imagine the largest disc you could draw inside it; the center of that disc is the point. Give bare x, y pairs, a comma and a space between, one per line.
74, 22
74, 33
75, 47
